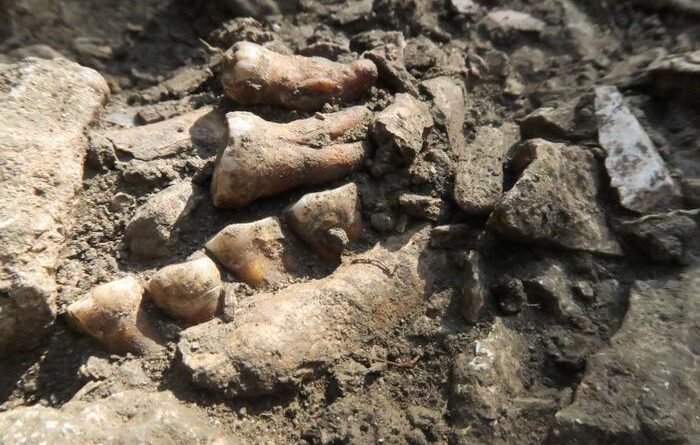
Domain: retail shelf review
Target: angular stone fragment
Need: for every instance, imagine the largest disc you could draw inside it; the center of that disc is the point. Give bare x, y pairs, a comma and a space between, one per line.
262, 8
327, 221
677, 73
663, 239
486, 380
645, 387
554, 200
264, 158
479, 172
636, 169
290, 336
259, 253
424, 207
466, 7
549, 288
155, 229
505, 24
112, 314
255, 75
168, 138
189, 290
45, 106
449, 107
473, 287
398, 131
122, 418
558, 123
389, 59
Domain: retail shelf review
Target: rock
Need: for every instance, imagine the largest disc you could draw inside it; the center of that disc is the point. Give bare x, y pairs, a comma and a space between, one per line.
644, 387
189, 290
259, 253
184, 81
433, 171
40, 51
452, 236
421, 53
677, 73
584, 290
266, 158
510, 295
240, 29
479, 171
449, 107
485, 381
549, 288
681, 6
473, 288
391, 69
398, 131
424, 207
466, 7
155, 229
112, 314
554, 200
558, 123
290, 336
637, 171
327, 221
204, 127
375, 38
691, 191
663, 239
125, 417
45, 108
353, 10
262, 8
506, 24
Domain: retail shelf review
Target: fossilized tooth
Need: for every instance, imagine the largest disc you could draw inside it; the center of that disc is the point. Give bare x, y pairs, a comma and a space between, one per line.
188, 290
112, 314
265, 158
258, 253
327, 221
255, 75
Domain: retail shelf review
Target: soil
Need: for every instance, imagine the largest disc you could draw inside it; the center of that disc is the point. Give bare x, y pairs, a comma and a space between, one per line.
137, 46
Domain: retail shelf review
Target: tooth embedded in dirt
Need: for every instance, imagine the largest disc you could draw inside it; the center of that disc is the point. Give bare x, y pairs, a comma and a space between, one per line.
111, 313
256, 75
327, 221
259, 253
264, 158
187, 290
287, 337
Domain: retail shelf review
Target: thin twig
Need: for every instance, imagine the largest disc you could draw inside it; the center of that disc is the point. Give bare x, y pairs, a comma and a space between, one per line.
402, 364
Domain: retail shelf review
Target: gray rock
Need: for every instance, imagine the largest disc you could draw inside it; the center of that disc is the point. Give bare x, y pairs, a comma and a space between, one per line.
559, 122
549, 288
510, 294
164, 139
126, 417
424, 207
44, 109
554, 200
398, 131
504, 24
473, 287
644, 388
479, 171
689, 6
262, 8
663, 239
636, 169
466, 7
449, 107
154, 230
391, 69
677, 73
485, 380
40, 51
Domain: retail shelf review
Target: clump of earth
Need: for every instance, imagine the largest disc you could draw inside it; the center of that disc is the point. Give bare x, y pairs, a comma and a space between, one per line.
371, 221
